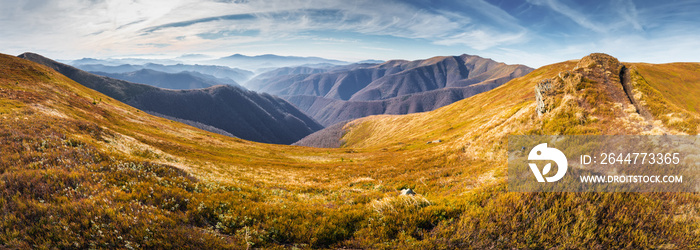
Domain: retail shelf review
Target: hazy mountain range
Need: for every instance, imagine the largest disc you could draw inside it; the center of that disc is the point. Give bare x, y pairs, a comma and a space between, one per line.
329, 92
119, 61
223, 72
80, 169
181, 80
237, 62
394, 87
245, 114
269, 61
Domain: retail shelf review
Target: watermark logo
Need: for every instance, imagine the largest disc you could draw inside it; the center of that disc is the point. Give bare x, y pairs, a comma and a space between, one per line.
542, 152
603, 163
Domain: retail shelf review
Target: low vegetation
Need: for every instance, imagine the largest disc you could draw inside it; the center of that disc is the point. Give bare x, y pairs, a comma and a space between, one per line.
78, 174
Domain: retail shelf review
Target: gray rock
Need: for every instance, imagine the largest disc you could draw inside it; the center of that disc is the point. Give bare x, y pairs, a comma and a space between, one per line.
408, 191
540, 90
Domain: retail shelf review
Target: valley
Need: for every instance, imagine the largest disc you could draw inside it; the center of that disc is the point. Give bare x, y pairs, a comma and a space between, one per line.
242, 113
82, 169
327, 124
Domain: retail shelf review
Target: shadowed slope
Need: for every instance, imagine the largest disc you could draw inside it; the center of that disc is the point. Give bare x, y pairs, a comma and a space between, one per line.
78, 174
245, 114
512, 106
325, 138
393, 78
395, 87
330, 111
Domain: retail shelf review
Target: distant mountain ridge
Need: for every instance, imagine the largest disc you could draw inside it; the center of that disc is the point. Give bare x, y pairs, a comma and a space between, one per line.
394, 87
235, 74
395, 78
271, 61
119, 61
76, 174
181, 80
245, 114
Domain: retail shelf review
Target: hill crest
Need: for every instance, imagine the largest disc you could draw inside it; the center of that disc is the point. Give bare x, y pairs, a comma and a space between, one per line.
79, 173
245, 114
594, 95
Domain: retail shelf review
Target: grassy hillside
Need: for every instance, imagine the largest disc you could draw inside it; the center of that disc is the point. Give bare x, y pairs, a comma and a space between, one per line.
80, 170
245, 114
668, 90
677, 82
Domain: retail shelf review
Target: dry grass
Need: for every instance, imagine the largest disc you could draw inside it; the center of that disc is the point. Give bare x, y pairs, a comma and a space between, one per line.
107, 166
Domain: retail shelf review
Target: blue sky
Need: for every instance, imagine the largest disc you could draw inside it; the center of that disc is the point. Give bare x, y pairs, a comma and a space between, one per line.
532, 32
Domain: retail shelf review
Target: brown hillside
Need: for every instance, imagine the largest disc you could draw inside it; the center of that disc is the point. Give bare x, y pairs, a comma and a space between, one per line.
81, 170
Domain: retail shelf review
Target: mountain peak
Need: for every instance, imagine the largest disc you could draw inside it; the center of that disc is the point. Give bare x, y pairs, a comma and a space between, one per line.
27, 55
597, 72
602, 60
598, 88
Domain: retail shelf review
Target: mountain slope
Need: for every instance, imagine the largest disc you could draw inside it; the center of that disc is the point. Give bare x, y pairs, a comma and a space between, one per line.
395, 78
245, 114
513, 106
79, 174
438, 73
395, 87
330, 111
182, 80
676, 82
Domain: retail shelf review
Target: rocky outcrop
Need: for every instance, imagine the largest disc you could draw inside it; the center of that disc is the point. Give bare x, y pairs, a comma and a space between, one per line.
597, 88
408, 192
541, 90
597, 68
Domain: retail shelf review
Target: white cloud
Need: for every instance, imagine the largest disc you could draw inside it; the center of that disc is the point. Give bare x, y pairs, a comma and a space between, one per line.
628, 11
482, 39
112, 27
89, 28
570, 13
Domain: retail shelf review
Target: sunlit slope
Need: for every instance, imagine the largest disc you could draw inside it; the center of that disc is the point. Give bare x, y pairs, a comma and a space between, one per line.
678, 83
245, 114
471, 116
80, 170
41, 91
510, 109
461, 148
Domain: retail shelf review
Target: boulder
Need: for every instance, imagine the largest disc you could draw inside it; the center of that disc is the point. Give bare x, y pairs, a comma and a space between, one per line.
408, 191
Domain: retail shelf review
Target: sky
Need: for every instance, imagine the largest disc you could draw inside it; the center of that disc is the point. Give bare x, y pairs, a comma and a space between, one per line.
532, 32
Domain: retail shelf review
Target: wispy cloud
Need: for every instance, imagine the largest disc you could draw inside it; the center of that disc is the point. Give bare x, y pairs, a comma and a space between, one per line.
362, 28
200, 20
572, 14
188, 21
628, 11
483, 39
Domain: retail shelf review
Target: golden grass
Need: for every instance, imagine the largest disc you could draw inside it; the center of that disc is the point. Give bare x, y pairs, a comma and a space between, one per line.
235, 193
677, 82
